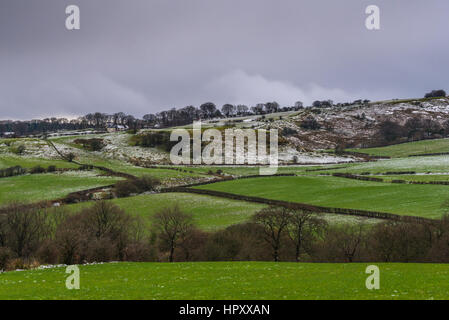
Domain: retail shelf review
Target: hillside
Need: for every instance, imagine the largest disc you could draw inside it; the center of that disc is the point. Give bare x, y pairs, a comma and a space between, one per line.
358, 125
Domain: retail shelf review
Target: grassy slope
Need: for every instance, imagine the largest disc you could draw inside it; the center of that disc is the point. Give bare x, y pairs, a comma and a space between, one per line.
7, 161
230, 280
419, 200
49, 186
210, 213
121, 166
406, 149
418, 164
162, 173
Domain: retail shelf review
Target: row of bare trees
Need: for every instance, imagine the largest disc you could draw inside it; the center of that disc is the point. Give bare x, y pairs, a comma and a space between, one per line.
277, 233
103, 232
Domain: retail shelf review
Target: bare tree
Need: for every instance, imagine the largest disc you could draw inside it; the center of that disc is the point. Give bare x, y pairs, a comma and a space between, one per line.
349, 239
242, 109
23, 228
303, 227
228, 109
71, 239
274, 220
172, 225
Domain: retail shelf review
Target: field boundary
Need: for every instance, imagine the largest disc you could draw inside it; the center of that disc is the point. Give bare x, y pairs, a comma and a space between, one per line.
368, 157
396, 181
429, 154
107, 170
303, 206
237, 178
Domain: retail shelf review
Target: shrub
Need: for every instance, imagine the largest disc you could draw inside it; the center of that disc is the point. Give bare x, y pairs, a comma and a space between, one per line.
37, 169
16, 264
391, 131
153, 140
288, 131
94, 144
140, 252
73, 198
20, 149
147, 183
12, 171
241, 242
125, 188
310, 123
70, 156
48, 252
133, 186
340, 148
51, 169
6, 255
435, 94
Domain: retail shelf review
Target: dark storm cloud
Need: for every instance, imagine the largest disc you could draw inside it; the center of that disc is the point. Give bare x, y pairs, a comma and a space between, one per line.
143, 56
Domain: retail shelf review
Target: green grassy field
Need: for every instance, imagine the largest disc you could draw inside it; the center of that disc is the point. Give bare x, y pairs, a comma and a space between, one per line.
230, 280
416, 177
418, 200
36, 187
161, 173
210, 213
411, 148
25, 162
437, 164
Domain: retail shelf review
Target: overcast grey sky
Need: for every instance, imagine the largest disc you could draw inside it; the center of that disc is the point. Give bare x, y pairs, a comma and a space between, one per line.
144, 56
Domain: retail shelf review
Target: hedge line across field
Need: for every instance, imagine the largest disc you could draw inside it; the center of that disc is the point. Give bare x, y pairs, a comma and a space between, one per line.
237, 178
429, 154
303, 206
356, 177
18, 170
372, 179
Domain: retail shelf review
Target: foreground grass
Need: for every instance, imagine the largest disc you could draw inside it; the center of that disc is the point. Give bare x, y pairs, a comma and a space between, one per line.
411, 148
50, 186
210, 213
230, 280
419, 200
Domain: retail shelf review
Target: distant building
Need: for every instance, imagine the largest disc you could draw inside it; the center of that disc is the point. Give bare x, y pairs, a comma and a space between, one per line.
116, 127
8, 134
